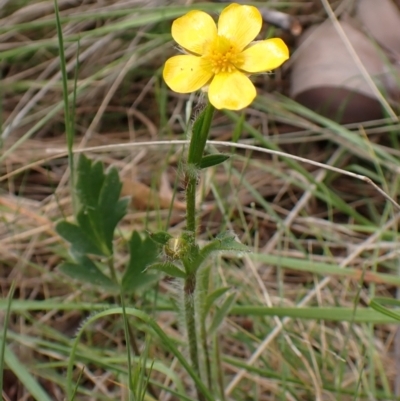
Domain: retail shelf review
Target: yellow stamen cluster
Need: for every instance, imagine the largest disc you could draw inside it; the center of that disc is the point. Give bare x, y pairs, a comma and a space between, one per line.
223, 56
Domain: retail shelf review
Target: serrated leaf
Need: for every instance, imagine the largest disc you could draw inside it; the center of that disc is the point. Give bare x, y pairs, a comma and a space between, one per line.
100, 206
168, 268
90, 181
79, 240
213, 160
221, 313
211, 298
161, 237
223, 242
87, 272
228, 242
142, 254
110, 206
90, 227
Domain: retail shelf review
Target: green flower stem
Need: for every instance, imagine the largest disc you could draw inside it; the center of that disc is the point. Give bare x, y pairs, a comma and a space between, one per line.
196, 150
189, 290
201, 129
203, 334
190, 283
191, 205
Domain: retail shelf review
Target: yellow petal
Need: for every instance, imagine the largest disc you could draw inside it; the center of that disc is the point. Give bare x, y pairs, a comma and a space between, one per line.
193, 30
264, 55
240, 24
232, 91
186, 73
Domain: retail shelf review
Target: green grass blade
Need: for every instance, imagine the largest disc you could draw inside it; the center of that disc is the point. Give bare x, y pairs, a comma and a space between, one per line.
69, 130
27, 380
166, 341
5, 328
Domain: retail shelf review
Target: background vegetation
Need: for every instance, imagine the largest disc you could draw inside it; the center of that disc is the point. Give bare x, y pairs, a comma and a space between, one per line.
324, 241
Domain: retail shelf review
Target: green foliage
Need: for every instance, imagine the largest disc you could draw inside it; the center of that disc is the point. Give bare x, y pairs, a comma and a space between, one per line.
200, 131
212, 298
4, 334
86, 271
378, 302
168, 268
81, 242
143, 252
221, 313
213, 160
316, 244
100, 210
139, 381
223, 242
161, 237
193, 258
28, 380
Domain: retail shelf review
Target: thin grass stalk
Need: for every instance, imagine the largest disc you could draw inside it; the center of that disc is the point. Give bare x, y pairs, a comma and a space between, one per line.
5, 328
68, 118
168, 343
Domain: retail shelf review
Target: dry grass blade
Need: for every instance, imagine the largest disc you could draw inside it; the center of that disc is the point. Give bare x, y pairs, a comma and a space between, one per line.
108, 148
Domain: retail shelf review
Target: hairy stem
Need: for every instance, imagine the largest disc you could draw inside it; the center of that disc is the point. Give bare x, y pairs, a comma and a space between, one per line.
201, 129
206, 354
190, 317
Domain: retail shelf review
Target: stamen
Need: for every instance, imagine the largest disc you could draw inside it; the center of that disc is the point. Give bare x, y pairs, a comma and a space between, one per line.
223, 56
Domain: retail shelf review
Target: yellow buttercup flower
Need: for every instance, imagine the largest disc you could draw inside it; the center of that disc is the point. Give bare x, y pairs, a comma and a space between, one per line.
220, 58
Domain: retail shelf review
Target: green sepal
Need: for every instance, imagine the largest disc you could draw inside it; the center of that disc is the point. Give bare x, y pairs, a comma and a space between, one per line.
143, 252
86, 271
168, 268
213, 160
161, 237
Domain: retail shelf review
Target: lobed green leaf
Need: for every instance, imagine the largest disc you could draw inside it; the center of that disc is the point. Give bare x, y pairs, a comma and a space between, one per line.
142, 254
86, 271
81, 241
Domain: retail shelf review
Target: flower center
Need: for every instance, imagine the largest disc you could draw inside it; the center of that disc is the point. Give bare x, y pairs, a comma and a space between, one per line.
223, 55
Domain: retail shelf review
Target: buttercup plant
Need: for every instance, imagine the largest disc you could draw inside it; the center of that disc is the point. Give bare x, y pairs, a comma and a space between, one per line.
218, 58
